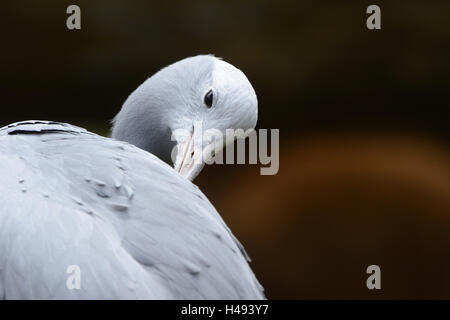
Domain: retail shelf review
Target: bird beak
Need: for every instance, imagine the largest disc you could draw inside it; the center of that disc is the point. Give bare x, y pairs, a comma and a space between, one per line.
189, 160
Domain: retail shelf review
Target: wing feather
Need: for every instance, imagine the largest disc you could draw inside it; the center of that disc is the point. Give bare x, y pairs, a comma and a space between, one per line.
134, 226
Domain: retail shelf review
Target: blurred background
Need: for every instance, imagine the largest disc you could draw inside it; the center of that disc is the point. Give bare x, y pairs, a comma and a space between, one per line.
363, 116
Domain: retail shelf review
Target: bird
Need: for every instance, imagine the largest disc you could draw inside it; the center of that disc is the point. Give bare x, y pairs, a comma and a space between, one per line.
84, 216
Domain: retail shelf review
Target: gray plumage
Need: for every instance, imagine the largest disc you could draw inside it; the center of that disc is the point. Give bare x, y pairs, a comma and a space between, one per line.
134, 226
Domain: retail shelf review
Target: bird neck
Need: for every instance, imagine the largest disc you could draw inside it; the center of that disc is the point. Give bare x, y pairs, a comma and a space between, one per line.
143, 125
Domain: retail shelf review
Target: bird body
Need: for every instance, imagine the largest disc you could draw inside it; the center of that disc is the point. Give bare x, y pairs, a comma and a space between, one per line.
135, 227
88, 217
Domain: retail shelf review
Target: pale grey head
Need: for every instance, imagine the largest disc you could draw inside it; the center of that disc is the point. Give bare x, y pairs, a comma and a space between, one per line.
202, 89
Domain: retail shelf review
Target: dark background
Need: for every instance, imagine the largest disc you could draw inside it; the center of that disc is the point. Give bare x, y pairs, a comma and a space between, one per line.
363, 116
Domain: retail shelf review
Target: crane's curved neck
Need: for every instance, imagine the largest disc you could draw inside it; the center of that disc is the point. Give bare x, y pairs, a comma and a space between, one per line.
142, 123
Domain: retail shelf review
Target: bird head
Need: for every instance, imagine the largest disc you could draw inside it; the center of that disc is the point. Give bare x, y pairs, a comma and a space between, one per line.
169, 114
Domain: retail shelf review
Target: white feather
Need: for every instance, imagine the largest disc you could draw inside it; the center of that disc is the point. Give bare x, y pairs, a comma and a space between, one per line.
134, 226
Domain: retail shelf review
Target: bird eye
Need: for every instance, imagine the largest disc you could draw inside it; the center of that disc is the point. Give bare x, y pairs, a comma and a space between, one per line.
209, 96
